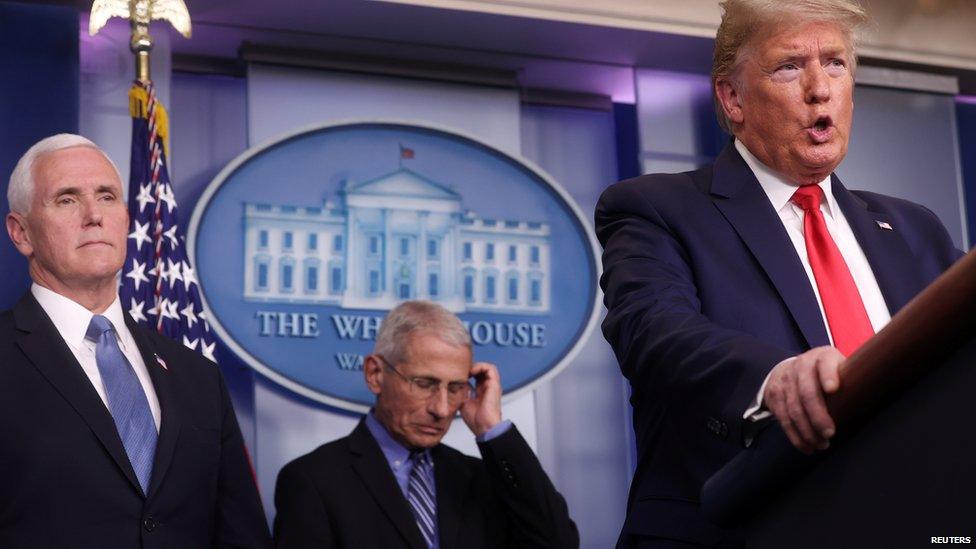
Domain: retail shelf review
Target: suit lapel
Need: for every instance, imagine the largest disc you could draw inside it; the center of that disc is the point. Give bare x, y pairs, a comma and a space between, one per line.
889, 256
169, 425
373, 470
740, 198
47, 351
451, 479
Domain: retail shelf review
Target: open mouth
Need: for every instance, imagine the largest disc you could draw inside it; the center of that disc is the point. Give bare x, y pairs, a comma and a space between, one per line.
822, 129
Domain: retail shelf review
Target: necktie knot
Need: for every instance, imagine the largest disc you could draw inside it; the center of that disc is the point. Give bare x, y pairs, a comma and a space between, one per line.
98, 326
808, 197
420, 458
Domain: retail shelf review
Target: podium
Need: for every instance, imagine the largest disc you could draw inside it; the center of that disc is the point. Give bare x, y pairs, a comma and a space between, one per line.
902, 468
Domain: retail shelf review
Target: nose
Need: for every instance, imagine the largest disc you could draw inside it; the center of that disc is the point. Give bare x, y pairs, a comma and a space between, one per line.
92, 212
817, 85
437, 404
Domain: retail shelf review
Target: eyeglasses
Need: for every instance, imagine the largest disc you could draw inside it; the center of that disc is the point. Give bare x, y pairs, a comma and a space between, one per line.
428, 387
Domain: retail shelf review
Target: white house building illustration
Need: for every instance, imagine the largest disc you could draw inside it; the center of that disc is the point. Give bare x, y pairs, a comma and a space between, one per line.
400, 236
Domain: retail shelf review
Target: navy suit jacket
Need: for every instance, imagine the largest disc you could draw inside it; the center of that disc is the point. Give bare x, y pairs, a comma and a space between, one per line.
344, 494
705, 294
65, 479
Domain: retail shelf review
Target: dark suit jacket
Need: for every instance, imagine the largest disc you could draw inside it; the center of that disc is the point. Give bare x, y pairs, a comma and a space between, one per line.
65, 479
705, 294
344, 494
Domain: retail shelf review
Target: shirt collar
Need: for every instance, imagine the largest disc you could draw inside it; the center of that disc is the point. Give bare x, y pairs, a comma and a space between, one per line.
396, 455
778, 189
72, 319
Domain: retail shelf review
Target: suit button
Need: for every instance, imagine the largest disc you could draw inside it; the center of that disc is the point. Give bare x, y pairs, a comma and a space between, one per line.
149, 524
716, 427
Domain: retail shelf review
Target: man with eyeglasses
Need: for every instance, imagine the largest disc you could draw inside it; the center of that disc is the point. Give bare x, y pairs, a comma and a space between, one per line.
391, 483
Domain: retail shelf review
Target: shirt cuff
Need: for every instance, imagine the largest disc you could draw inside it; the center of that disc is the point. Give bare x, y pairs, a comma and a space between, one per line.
496, 431
755, 411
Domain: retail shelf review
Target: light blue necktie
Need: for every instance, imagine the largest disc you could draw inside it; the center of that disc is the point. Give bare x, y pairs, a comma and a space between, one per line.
420, 494
126, 399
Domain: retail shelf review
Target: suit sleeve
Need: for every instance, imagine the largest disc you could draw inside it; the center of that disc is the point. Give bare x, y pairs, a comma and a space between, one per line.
537, 514
301, 521
672, 353
240, 517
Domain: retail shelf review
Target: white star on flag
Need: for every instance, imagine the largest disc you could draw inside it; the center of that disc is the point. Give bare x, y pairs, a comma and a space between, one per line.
189, 276
171, 310
208, 350
141, 234
187, 312
166, 195
137, 273
135, 311
173, 273
145, 196
190, 344
174, 242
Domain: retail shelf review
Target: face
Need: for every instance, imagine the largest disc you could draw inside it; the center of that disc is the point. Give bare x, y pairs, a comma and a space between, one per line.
418, 422
793, 101
74, 235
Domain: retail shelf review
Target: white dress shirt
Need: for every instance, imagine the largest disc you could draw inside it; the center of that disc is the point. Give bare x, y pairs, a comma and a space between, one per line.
779, 191
72, 319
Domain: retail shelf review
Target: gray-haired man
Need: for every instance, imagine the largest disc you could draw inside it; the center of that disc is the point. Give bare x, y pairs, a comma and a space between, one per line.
390, 483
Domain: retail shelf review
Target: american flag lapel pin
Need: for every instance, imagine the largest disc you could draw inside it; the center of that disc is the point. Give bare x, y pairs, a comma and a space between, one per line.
161, 362
884, 225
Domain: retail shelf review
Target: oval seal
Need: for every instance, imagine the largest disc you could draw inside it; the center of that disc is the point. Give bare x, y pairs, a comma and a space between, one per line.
303, 244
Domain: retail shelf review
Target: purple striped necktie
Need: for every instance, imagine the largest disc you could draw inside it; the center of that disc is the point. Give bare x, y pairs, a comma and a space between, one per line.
421, 495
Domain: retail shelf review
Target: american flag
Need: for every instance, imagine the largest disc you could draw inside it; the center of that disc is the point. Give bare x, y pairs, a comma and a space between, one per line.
159, 286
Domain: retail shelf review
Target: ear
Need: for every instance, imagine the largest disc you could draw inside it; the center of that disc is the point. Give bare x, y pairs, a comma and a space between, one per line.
373, 372
17, 229
730, 99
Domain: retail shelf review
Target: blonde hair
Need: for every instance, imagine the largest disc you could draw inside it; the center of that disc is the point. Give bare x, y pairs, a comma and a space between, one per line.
744, 20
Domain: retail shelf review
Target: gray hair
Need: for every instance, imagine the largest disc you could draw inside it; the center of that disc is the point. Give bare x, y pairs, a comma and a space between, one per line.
743, 20
412, 317
20, 190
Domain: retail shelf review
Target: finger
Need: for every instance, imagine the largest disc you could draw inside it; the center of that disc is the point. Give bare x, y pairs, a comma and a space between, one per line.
776, 403
812, 401
798, 417
828, 369
793, 436
479, 369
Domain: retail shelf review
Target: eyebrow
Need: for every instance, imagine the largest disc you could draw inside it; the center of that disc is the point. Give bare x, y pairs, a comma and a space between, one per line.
75, 190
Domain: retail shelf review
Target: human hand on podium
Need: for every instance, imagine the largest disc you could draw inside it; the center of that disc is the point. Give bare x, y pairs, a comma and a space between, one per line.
795, 395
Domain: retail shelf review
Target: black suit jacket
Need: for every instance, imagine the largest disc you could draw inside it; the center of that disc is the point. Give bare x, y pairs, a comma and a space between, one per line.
344, 494
705, 293
65, 479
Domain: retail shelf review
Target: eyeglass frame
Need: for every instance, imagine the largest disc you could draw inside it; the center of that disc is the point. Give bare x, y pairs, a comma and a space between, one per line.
434, 389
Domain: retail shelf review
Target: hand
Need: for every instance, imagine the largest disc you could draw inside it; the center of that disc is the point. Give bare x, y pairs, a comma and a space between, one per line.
795, 395
483, 410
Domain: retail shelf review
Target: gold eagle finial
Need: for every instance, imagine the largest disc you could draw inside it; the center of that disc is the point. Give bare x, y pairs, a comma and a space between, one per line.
140, 12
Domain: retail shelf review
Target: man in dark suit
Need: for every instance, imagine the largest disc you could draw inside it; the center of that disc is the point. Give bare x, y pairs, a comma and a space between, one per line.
735, 291
114, 436
391, 483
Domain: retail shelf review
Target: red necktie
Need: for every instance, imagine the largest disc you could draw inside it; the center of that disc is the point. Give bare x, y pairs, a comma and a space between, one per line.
848, 321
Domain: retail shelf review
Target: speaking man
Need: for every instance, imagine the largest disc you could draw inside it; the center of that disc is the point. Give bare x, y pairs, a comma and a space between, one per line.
113, 436
391, 483
735, 291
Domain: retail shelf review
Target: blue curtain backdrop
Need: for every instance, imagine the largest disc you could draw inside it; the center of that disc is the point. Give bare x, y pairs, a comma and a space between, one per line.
38, 98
